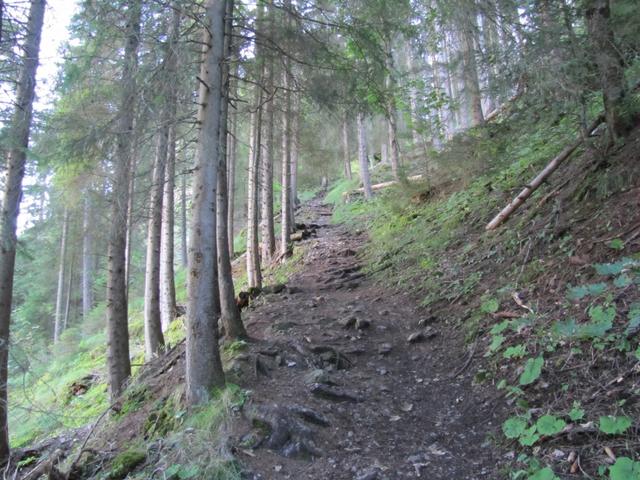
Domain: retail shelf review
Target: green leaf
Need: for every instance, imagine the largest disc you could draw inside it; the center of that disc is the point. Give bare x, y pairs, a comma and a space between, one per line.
189, 472
529, 437
568, 328
532, 370
490, 306
544, 474
500, 327
517, 351
634, 319
514, 427
613, 425
638, 353
623, 281
616, 244
578, 293
550, 425
625, 469
496, 342
576, 413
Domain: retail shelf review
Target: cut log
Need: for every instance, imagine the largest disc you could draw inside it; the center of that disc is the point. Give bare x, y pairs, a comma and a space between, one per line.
541, 177
379, 186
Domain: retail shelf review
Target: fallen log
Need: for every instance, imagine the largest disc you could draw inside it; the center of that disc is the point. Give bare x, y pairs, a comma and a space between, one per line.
380, 186
551, 167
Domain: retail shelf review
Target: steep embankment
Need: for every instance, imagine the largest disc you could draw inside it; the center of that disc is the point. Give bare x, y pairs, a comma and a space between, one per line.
411, 343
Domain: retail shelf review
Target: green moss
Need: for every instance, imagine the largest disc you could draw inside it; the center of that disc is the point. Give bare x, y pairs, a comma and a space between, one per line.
126, 462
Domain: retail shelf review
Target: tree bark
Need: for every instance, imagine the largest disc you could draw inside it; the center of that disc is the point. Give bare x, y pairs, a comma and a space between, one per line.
87, 258
254, 272
231, 179
231, 319
118, 362
167, 242
345, 147
610, 67
203, 364
67, 307
19, 129
184, 257
362, 158
153, 338
295, 143
57, 327
285, 200
473, 97
267, 227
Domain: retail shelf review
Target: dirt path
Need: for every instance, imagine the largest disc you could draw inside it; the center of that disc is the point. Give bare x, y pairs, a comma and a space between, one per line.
340, 392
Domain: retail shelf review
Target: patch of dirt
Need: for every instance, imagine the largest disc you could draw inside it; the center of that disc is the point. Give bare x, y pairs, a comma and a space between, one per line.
374, 374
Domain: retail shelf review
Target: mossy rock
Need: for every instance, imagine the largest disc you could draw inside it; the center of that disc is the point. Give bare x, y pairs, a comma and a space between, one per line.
125, 463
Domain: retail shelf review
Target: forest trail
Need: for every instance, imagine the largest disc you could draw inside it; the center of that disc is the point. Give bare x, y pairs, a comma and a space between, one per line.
338, 381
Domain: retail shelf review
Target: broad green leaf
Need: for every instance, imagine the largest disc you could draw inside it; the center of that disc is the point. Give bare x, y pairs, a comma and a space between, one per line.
568, 328
578, 293
500, 327
532, 370
577, 412
544, 474
517, 351
613, 425
634, 319
514, 427
550, 425
496, 342
490, 306
625, 469
529, 437
616, 244
600, 314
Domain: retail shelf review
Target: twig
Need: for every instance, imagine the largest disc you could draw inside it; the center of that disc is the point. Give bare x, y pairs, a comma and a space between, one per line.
467, 362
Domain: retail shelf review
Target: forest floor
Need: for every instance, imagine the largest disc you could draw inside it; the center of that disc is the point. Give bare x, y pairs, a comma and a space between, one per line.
355, 381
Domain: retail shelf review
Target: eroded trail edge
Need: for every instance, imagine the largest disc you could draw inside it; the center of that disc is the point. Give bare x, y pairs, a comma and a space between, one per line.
350, 380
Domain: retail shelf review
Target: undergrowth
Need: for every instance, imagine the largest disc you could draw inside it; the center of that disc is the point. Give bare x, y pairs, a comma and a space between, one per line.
560, 338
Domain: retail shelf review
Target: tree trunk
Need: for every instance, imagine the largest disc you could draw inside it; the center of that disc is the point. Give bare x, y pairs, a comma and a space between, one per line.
57, 327
295, 142
153, 338
285, 201
118, 362
266, 187
229, 310
203, 365
16, 155
473, 97
345, 147
232, 152
87, 258
254, 273
131, 189
362, 158
610, 67
167, 242
184, 257
67, 307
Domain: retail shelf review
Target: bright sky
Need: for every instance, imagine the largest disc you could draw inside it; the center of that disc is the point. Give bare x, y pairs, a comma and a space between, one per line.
54, 34
56, 20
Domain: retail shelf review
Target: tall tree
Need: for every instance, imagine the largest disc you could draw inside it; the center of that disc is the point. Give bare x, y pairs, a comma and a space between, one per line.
231, 319
610, 66
362, 157
203, 365
118, 362
87, 257
62, 265
20, 127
